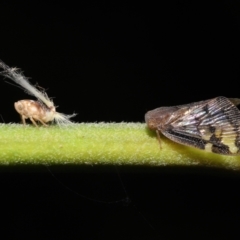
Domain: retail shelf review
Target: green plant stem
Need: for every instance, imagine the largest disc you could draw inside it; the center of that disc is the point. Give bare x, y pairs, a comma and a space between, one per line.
100, 143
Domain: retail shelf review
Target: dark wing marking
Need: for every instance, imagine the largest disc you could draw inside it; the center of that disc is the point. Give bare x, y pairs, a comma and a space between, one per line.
213, 125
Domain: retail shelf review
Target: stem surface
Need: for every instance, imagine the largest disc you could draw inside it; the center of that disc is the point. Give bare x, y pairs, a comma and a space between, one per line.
100, 143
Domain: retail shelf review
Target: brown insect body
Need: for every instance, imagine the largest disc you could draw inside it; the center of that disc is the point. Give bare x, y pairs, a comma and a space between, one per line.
212, 125
35, 111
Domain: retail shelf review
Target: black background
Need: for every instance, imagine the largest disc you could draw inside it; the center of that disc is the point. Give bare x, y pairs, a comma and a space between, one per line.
113, 62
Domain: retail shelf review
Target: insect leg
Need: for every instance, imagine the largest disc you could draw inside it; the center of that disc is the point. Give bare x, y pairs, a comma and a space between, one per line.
43, 123
159, 138
32, 120
23, 119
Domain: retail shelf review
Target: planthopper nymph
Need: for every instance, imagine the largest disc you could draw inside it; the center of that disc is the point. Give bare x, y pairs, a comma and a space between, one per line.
43, 110
212, 125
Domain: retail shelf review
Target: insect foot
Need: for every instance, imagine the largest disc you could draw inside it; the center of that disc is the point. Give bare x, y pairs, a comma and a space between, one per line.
211, 125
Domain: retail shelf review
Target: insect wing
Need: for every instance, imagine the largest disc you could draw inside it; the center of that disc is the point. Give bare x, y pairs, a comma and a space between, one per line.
213, 125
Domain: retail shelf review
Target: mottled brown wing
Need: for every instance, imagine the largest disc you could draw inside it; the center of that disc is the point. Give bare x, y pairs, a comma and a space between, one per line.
212, 125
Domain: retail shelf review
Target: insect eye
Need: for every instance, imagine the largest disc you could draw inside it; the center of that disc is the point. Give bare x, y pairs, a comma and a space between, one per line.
151, 124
